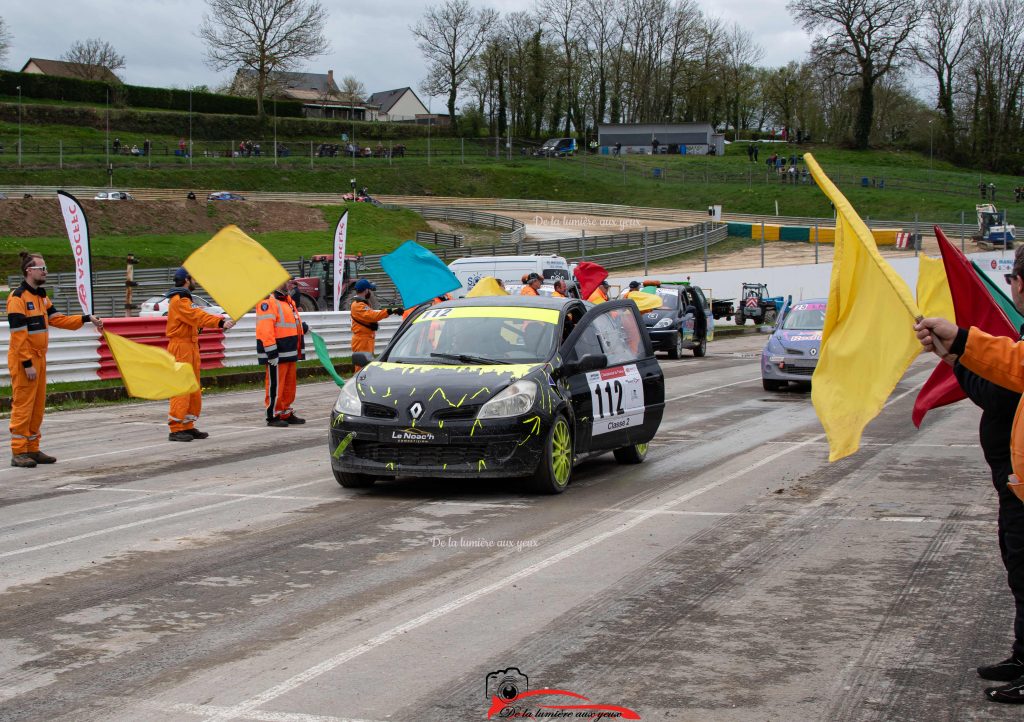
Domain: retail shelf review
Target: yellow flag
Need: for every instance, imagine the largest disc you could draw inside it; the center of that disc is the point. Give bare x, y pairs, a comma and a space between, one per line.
150, 372
487, 286
933, 294
645, 301
868, 340
235, 270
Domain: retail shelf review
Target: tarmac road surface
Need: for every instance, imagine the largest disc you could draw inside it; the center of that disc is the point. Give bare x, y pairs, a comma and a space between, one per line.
735, 575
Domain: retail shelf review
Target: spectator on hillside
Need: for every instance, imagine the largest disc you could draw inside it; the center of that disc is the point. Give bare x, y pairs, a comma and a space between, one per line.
117, 145
750, 152
135, 150
992, 192
757, 149
983, 189
146, 147
654, 146
618, 149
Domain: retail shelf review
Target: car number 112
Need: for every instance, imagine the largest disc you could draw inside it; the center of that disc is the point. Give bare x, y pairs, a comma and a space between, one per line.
618, 399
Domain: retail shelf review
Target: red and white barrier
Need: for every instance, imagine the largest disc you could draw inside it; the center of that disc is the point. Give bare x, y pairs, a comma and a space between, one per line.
83, 355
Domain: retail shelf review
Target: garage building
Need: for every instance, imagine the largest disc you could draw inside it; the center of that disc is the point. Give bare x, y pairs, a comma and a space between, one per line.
675, 138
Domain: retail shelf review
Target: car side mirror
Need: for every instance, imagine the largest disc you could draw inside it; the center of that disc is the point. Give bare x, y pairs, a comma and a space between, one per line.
587, 362
361, 358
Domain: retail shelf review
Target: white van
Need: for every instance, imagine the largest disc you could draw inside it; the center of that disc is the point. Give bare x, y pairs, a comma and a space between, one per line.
510, 269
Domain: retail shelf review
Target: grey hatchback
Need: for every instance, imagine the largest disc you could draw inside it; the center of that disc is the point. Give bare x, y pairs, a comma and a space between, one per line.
791, 353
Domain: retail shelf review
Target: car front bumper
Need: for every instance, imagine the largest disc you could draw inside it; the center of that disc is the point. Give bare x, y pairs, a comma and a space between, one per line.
794, 368
495, 448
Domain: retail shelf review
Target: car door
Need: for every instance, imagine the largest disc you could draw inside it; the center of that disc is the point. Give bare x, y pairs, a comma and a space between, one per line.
621, 403
707, 324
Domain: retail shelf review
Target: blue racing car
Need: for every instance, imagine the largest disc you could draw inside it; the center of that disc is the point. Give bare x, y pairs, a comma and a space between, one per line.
791, 353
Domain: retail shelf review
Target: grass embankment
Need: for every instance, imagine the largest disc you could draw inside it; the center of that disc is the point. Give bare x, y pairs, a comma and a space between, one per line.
372, 230
913, 184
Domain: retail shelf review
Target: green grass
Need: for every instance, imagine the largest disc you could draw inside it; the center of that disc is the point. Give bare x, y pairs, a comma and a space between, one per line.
914, 184
372, 230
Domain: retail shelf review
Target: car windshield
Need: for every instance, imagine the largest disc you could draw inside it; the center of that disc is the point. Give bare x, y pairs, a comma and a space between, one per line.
477, 335
669, 300
805, 317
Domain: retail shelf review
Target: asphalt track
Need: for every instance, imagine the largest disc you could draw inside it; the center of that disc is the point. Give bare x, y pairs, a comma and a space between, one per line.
735, 575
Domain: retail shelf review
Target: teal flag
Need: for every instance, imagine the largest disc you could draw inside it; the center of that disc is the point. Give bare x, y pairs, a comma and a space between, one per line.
419, 275
325, 357
1001, 298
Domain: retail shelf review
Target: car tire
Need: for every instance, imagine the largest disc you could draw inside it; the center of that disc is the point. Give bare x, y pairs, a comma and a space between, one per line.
677, 348
353, 481
634, 454
555, 468
306, 304
702, 348
772, 385
769, 317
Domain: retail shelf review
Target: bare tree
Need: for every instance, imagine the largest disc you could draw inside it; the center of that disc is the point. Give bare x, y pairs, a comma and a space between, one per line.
941, 47
352, 90
263, 36
450, 35
5, 40
92, 56
740, 54
866, 38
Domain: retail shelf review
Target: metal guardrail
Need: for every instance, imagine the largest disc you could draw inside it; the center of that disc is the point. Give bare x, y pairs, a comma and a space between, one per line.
447, 240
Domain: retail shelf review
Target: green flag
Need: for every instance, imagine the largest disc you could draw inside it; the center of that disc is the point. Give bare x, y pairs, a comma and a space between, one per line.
1001, 298
325, 357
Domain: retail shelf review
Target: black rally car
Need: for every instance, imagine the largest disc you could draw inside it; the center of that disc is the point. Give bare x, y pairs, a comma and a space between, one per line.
510, 386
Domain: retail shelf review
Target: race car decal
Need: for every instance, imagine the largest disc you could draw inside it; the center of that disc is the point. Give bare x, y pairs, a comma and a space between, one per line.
514, 371
618, 398
801, 336
809, 307
547, 315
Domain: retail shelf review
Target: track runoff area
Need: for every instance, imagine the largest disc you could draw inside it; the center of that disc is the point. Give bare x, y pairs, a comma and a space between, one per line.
735, 575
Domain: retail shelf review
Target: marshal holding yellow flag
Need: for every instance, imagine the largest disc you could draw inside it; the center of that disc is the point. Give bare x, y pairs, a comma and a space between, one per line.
868, 341
237, 272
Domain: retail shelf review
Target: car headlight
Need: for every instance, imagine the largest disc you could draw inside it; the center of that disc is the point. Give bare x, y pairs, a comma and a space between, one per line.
348, 402
515, 400
664, 323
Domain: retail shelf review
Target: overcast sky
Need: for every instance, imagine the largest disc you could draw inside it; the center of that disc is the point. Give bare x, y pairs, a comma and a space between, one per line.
369, 39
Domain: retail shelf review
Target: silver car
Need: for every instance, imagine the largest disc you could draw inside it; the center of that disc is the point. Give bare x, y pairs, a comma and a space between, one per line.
791, 353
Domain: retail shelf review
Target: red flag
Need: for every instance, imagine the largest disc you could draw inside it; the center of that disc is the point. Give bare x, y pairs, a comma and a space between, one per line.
589, 276
974, 306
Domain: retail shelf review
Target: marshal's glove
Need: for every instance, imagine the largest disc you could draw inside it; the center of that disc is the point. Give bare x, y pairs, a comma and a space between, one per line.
396, 311
272, 361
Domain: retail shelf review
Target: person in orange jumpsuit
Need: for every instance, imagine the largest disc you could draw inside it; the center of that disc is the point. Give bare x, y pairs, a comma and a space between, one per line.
365, 318
279, 332
559, 291
30, 315
432, 302
634, 287
600, 294
533, 281
184, 320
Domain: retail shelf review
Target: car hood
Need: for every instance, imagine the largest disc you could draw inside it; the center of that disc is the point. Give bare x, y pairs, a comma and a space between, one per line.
652, 317
798, 341
439, 392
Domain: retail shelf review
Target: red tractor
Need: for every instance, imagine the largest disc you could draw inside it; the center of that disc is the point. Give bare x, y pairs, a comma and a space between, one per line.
316, 282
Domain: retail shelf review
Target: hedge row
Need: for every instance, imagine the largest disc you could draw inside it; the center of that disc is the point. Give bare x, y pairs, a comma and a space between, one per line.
207, 127
51, 87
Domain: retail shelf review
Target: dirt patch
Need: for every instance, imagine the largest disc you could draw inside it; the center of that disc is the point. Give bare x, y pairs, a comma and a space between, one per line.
472, 235
40, 217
